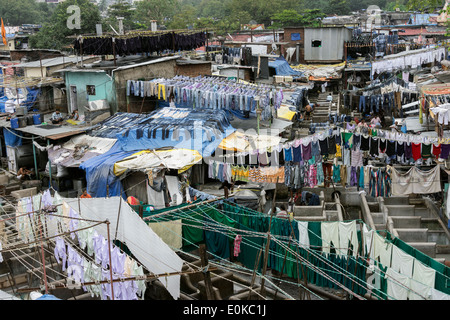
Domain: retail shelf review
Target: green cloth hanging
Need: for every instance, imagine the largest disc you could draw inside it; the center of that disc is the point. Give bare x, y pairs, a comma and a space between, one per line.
315, 235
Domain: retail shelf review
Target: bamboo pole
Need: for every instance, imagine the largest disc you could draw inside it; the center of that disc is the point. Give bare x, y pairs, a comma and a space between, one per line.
206, 273
266, 253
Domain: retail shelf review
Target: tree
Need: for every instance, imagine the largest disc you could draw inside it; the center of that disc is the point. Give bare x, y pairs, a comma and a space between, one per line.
121, 8
54, 34
286, 18
18, 12
425, 5
159, 10
186, 18
337, 7
391, 6
312, 17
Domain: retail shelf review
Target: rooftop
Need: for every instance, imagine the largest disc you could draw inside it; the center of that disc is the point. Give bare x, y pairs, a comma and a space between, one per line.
51, 62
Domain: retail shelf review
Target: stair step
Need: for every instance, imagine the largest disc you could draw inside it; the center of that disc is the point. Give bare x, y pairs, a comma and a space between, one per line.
406, 221
413, 234
397, 200
428, 248
400, 210
422, 212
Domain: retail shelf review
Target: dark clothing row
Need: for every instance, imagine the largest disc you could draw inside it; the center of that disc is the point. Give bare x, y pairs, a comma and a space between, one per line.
170, 41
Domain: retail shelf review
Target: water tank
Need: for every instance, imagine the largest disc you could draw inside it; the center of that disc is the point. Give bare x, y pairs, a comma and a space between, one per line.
24, 156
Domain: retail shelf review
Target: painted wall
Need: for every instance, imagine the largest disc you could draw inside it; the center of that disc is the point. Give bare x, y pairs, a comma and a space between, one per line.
160, 68
102, 82
332, 44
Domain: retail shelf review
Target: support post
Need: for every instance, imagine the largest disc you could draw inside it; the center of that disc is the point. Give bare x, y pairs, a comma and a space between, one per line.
206, 273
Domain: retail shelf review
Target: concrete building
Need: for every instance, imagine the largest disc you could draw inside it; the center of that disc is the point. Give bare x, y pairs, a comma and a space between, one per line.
44, 68
106, 81
317, 45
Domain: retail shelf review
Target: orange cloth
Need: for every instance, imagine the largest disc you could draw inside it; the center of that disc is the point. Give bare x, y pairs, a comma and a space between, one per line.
3, 33
87, 195
133, 201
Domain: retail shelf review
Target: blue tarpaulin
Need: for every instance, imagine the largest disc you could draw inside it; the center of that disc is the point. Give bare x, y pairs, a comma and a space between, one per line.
181, 128
282, 68
100, 178
48, 297
13, 138
200, 130
32, 94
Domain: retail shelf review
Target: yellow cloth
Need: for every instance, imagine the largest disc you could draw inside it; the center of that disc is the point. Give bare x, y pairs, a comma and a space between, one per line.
169, 231
284, 113
161, 87
338, 151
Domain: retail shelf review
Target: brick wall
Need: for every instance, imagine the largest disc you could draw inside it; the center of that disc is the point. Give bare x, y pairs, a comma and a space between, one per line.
293, 43
193, 70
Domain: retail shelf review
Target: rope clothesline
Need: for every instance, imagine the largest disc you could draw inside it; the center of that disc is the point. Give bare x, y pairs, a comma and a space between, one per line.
212, 226
309, 251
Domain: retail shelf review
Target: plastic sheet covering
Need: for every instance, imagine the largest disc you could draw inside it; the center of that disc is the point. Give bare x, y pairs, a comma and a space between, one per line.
179, 159
13, 138
148, 248
79, 149
180, 128
282, 68
238, 141
100, 178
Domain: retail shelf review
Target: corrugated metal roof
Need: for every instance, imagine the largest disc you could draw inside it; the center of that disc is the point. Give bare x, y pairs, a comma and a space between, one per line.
421, 18
49, 62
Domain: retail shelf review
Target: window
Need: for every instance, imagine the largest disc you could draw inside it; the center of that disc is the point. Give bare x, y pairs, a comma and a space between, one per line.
295, 37
316, 43
90, 90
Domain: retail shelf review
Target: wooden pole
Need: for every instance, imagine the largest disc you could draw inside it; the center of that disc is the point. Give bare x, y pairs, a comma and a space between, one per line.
206, 273
266, 253
42, 250
114, 51
40, 63
254, 273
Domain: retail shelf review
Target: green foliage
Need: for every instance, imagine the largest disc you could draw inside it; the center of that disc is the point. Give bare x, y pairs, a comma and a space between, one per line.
121, 8
424, 5
286, 18
18, 12
54, 33
184, 19
159, 10
306, 18
391, 6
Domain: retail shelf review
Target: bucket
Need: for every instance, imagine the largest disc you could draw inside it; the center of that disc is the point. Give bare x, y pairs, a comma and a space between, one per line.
14, 123
37, 118
29, 120
22, 122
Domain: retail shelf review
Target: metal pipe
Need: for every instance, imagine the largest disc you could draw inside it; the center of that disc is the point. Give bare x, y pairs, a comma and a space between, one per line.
110, 264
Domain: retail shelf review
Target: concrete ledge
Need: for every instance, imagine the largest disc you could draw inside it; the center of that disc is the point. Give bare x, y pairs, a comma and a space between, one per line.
23, 193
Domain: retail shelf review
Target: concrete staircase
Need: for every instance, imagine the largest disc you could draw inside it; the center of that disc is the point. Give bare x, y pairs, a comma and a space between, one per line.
412, 220
324, 108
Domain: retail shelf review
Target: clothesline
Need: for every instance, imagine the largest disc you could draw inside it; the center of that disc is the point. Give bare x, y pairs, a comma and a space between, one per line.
409, 59
342, 136
230, 232
98, 258
210, 93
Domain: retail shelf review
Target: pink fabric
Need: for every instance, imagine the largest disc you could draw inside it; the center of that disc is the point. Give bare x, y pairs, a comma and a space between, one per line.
237, 245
